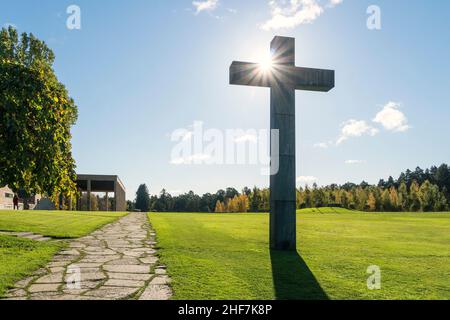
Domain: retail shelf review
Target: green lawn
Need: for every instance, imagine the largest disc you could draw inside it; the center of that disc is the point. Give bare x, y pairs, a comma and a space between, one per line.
57, 224
226, 256
20, 257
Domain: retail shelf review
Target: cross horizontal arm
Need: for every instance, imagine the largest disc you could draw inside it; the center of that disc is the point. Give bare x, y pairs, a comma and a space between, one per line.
313, 79
249, 74
252, 74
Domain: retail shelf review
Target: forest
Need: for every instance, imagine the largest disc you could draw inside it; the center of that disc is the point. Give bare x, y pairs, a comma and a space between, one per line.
413, 191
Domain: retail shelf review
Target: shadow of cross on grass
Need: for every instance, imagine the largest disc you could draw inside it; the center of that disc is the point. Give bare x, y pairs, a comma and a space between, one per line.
292, 278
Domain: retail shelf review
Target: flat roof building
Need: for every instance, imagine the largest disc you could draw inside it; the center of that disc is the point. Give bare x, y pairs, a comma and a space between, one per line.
102, 183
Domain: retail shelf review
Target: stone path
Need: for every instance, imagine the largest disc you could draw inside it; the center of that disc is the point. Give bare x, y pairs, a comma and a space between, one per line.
26, 235
114, 263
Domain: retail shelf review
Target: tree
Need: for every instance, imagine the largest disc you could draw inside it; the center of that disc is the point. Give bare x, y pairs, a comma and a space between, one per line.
265, 200
442, 177
371, 202
299, 198
164, 203
426, 196
142, 201
231, 193
386, 200
219, 207
220, 195
247, 191
441, 203
414, 196
390, 183
403, 197
317, 197
130, 206
394, 198
361, 198
242, 203
207, 203
254, 203
36, 116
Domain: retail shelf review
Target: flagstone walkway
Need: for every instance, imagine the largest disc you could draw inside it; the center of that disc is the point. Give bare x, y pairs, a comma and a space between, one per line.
114, 263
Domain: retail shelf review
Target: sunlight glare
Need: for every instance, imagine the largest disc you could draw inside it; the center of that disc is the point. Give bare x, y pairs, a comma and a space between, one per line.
266, 62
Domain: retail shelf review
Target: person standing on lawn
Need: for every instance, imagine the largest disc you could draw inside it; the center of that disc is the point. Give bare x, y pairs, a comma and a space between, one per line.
16, 202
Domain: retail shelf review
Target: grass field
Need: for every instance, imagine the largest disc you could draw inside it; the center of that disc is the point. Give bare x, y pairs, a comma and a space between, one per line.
20, 257
226, 256
56, 224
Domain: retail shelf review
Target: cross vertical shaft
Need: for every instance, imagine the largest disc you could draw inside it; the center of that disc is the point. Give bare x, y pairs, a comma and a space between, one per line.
282, 183
283, 79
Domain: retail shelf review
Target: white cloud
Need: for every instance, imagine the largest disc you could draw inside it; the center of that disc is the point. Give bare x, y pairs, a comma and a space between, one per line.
292, 13
334, 3
207, 5
306, 180
355, 128
355, 161
391, 118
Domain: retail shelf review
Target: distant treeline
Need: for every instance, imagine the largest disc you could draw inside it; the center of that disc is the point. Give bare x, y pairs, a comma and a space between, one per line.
418, 190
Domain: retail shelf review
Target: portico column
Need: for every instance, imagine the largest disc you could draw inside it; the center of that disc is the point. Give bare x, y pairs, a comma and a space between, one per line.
89, 195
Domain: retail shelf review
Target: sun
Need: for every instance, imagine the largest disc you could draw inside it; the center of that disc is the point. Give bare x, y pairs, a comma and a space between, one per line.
266, 62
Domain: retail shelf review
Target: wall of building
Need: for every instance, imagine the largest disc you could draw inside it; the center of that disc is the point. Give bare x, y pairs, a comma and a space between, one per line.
121, 201
6, 200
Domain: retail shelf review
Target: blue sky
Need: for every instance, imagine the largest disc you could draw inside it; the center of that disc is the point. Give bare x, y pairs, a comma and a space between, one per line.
140, 69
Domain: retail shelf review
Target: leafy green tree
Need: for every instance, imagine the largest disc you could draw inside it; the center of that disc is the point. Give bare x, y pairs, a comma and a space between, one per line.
207, 203
426, 196
351, 199
36, 116
403, 197
220, 195
299, 198
164, 203
264, 200
442, 177
386, 200
247, 191
414, 197
231, 193
317, 197
361, 198
441, 203
130, 206
142, 201
255, 200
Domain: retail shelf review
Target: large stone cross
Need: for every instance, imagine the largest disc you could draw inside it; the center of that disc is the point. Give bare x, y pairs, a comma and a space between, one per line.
283, 78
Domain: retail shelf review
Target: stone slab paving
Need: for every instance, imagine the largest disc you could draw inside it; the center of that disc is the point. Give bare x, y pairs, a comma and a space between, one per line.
116, 262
